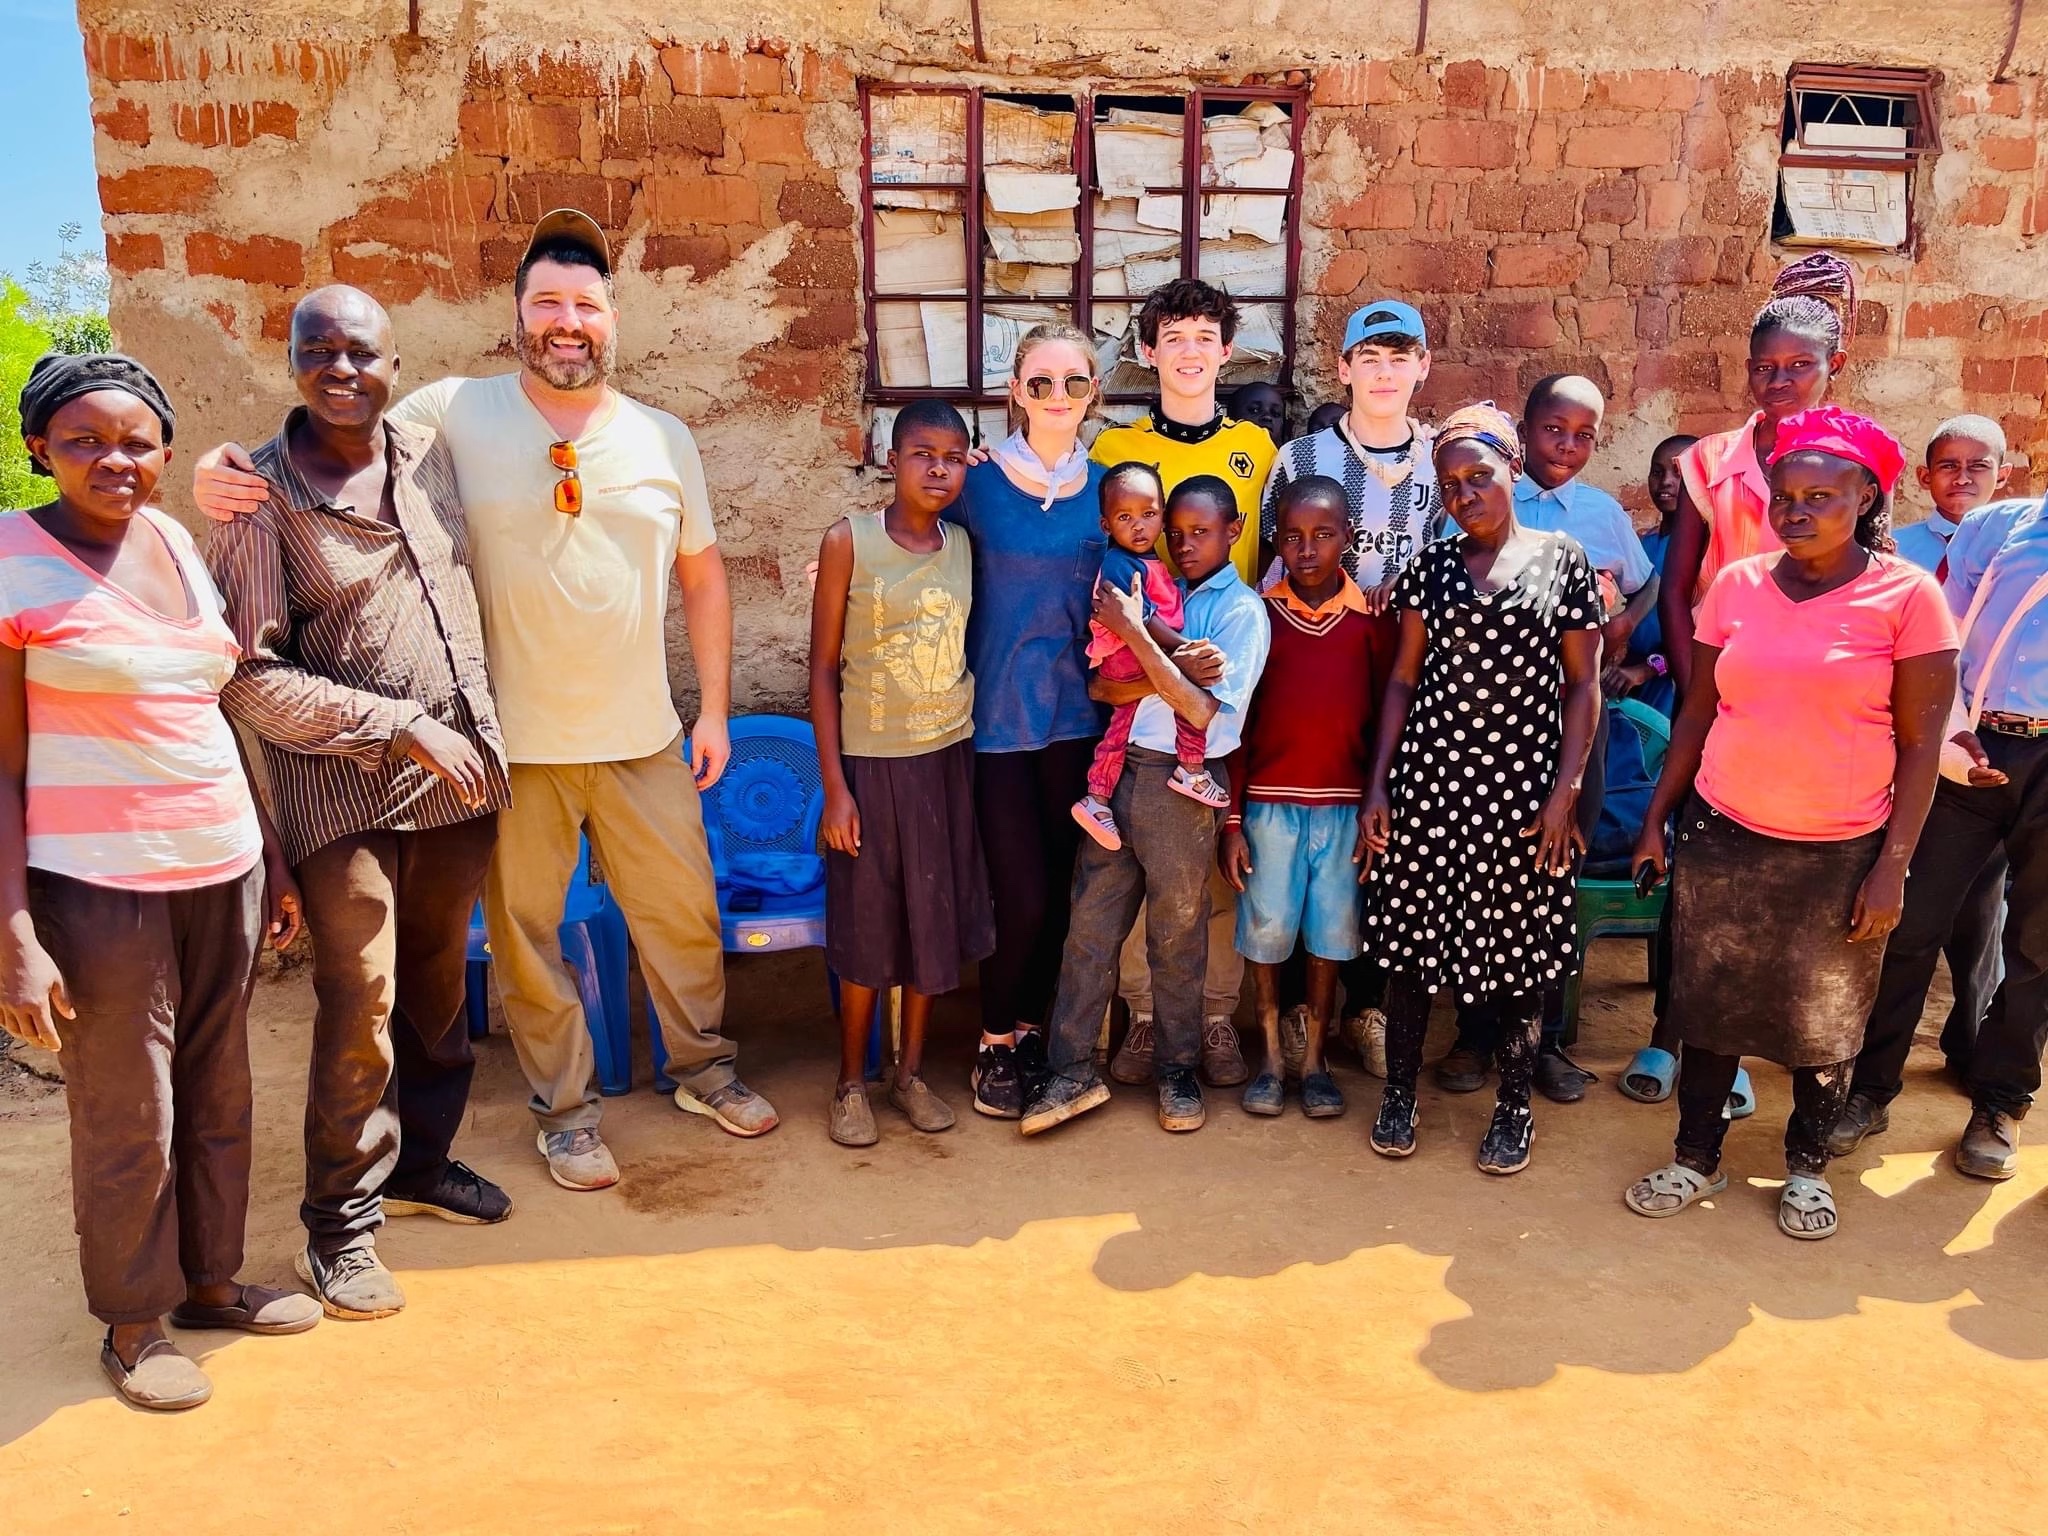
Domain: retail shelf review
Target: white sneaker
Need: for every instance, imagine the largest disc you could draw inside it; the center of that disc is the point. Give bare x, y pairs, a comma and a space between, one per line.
1294, 1039
578, 1159
1366, 1033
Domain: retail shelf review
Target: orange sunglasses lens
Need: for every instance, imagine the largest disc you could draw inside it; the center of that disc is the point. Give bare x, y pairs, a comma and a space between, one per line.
562, 455
569, 495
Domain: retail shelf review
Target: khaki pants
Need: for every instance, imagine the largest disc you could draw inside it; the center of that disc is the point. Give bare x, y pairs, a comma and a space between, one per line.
647, 831
1223, 977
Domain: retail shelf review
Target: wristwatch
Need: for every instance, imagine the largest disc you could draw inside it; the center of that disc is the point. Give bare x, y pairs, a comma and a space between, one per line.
1657, 664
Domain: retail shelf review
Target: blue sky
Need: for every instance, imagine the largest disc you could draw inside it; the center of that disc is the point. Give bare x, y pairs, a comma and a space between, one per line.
45, 132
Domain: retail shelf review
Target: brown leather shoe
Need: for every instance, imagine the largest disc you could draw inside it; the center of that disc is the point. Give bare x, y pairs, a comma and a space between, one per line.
1463, 1071
162, 1379
1222, 1061
1134, 1058
1990, 1145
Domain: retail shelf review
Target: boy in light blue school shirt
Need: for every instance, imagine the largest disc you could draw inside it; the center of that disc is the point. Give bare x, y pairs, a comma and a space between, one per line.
1965, 469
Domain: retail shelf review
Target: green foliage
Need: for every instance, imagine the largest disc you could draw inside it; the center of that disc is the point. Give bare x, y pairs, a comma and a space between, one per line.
62, 307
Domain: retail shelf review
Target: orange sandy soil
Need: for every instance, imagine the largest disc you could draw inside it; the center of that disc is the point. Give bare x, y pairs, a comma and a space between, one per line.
1261, 1327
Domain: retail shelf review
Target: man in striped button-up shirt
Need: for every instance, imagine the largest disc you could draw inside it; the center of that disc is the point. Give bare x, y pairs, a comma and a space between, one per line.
363, 675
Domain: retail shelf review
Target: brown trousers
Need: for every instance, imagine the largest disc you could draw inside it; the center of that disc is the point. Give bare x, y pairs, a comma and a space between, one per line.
389, 1079
156, 1071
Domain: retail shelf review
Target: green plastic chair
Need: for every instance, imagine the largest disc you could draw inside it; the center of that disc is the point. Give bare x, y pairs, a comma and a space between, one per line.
1611, 908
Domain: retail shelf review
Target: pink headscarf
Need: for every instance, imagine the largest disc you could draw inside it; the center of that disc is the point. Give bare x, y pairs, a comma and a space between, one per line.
1830, 429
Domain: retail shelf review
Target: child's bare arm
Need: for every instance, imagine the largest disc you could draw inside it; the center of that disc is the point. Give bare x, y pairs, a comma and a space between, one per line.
1165, 636
828, 634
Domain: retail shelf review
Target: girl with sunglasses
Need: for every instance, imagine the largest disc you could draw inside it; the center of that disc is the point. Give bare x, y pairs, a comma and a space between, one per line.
1032, 510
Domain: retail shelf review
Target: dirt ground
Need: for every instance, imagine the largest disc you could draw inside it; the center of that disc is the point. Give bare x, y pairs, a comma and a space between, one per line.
1260, 1327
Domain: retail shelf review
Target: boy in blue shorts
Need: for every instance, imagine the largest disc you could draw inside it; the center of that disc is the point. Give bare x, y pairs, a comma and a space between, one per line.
1290, 844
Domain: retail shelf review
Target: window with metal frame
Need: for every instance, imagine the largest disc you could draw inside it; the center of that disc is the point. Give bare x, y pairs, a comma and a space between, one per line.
1854, 137
985, 211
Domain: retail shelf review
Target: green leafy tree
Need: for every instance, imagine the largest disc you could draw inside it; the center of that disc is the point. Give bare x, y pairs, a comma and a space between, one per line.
22, 340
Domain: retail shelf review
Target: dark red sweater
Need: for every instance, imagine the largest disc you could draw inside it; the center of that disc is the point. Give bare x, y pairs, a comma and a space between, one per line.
1308, 734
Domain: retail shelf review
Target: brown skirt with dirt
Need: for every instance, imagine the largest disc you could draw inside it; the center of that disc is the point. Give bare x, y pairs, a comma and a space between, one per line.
1761, 959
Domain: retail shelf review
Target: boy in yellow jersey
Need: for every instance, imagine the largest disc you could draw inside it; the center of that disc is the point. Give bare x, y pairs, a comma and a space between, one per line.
1184, 331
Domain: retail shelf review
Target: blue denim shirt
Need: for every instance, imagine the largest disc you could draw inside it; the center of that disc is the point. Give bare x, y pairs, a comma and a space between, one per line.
2006, 545
1034, 589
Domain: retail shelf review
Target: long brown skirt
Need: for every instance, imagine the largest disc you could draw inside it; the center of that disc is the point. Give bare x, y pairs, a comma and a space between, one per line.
912, 909
1761, 959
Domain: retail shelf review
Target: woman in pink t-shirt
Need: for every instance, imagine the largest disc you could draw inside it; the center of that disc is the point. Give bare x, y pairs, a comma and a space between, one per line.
1801, 767
136, 873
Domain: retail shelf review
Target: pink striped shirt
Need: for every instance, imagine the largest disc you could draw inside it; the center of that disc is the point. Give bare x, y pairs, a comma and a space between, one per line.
133, 776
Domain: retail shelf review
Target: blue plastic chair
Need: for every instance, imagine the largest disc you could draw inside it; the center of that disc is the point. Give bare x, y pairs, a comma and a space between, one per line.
593, 940
1610, 907
761, 820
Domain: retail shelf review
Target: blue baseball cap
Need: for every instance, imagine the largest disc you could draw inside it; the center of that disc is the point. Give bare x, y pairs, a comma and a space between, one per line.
1384, 317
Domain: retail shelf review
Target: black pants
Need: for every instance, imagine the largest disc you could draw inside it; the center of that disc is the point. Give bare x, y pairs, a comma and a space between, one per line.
391, 1065
1506, 1026
1965, 828
1023, 803
1704, 1079
1972, 955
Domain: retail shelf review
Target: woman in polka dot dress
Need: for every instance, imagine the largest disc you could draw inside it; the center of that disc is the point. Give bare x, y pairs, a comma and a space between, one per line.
1468, 830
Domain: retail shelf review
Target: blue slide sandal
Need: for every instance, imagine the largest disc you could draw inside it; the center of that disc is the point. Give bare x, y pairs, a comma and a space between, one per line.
1742, 1097
1661, 1067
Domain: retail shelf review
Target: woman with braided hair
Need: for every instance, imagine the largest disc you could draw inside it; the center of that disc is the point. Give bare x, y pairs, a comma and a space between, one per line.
1468, 827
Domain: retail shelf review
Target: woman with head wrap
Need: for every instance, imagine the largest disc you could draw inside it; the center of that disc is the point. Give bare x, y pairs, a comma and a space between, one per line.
1801, 766
1797, 344
1467, 831
133, 870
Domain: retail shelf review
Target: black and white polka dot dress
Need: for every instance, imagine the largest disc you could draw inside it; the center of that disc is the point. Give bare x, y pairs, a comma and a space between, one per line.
1457, 899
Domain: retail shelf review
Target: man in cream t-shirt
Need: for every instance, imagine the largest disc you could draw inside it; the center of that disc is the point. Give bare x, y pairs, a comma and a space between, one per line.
579, 502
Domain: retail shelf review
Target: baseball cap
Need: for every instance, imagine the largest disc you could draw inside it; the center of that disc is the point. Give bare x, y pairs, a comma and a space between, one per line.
573, 224
1384, 317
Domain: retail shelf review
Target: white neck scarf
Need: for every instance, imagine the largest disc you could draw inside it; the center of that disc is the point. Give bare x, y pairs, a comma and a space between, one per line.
1028, 473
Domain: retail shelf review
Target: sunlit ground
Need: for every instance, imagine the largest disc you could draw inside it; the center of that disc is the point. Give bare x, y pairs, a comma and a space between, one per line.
1261, 1327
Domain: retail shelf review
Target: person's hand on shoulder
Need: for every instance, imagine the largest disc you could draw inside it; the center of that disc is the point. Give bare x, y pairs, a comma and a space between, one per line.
225, 483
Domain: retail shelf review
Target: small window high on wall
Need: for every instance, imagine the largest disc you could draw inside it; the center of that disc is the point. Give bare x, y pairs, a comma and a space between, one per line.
1853, 138
987, 212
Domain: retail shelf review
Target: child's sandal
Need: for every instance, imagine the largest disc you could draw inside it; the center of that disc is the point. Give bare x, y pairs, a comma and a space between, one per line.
1098, 823
1199, 786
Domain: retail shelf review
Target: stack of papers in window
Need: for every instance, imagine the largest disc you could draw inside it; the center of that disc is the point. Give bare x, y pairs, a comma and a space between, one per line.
1864, 210
1136, 150
945, 340
917, 138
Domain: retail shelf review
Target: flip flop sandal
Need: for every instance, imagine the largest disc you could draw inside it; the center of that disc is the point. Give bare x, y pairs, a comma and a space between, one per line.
162, 1380
1808, 1196
1661, 1067
1688, 1185
260, 1310
1742, 1097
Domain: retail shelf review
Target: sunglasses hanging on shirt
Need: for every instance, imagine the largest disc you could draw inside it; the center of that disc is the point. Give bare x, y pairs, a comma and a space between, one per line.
569, 489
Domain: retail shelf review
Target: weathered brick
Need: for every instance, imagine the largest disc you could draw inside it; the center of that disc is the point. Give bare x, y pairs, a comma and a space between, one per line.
1482, 146
1658, 263
277, 320
393, 276
1537, 266
1551, 207
1666, 369
1611, 201
823, 77
1618, 147
2034, 217
1345, 274
1495, 204
124, 121
117, 57
1653, 320
1715, 312
483, 126
212, 124
1463, 85
1382, 205
224, 316
761, 75
1509, 325
607, 199
559, 74
1588, 366
273, 120
774, 138
1735, 254
786, 373
135, 253
498, 260
1436, 266
818, 261
825, 322
157, 189
550, 133
702, 71
706, 255
1558, 90
424, 214
1668, 202
1443, 201
678, 200
1646, 90
1951, 317
258, 259
1356, 85
1983, 203
814, 204
2007, 152
692, 127
1705, 144
2023, 375
1607, 320
1545, 140
2006, 99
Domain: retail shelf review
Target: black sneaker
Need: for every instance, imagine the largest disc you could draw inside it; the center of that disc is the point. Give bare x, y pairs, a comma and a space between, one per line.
1060, 1098
1393, 1133
1560, 1079
1180, 1100
1862, 1116
998, 1091
457, 1193
1508, 1140
1030, 1056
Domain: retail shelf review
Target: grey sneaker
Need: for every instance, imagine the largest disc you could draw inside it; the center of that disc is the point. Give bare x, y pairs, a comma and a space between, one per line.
1133, 1064
578, 1159
735, 1106
353, 1284
1222, 1060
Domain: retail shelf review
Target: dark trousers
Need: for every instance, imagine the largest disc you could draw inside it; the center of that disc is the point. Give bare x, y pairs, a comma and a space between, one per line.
1704, 1080
1972, 955
156, 1073
1507, 1027
391, 1066
1965, 828
1023, 806
1169, 842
